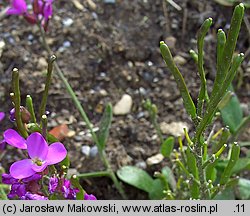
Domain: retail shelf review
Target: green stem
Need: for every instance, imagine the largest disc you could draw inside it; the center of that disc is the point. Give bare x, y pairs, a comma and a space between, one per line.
44, 121
158, 129
30, 107
93, 174
200, 43
17, 102
203, 188
84, 116
47, 85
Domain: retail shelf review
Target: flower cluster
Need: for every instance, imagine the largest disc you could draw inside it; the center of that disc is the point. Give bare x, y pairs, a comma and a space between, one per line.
24, 189
62, 186
40, 153
2, 142
2, 115
41, 13
25, 175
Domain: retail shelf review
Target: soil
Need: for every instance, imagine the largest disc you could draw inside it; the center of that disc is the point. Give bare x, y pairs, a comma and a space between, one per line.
107, 50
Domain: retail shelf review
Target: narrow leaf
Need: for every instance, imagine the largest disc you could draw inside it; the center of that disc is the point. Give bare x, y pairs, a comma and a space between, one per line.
200, 44
187, 100
105, 126
235, 153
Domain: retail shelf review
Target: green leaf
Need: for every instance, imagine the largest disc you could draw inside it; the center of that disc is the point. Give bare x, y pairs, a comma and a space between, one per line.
167, 146
105, 126
227, 194
243, 189
187, 100
230, 3
244, 144
241, 164
136, 177
225, 2
156, 191
167, 172
234, 157
232, 114
200, 43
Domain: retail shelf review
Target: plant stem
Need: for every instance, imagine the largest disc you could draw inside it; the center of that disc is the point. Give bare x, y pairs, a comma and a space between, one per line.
47, 85
84, 116
17, 102
93, 174
203, 188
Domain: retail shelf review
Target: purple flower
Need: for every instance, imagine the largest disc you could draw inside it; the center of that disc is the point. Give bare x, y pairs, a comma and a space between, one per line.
25, 115
2, 115
30, 196
53, 183
17, 189
89, 197
14, 139
46, 8
20, 188
68, 192
41, 155
18, 7
8, 179
62, 185
12, 115
2, 145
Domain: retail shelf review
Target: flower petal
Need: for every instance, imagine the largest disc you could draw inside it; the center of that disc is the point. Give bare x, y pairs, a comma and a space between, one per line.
14, 139
8, 179
2, 116
19, 5
89, 197
57, 152
37, 146
22, 169
37, 168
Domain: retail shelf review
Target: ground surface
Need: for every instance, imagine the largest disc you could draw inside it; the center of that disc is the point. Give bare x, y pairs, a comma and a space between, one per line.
106, 50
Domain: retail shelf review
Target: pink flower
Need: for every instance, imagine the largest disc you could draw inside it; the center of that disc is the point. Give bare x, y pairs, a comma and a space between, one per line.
2, 115
18, 7
41, 154
89, 197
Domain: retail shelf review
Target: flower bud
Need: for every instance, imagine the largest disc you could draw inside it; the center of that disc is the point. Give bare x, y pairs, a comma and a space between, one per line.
30, 18
25, 115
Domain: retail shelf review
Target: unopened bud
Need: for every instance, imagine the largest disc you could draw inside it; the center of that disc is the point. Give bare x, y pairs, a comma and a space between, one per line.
30, 18
25, 115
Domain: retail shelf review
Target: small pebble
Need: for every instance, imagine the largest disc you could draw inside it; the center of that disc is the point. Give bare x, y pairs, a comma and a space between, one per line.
124, 105
180, 60
174, 128
141, 164
93, 151
155, 159
67, 21
109, 1
86, 150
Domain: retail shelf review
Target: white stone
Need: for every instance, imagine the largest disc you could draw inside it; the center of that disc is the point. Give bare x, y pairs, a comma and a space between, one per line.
67, 21
155, 159
179, 60
2, 45
174, 128
86, 150
123, 106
